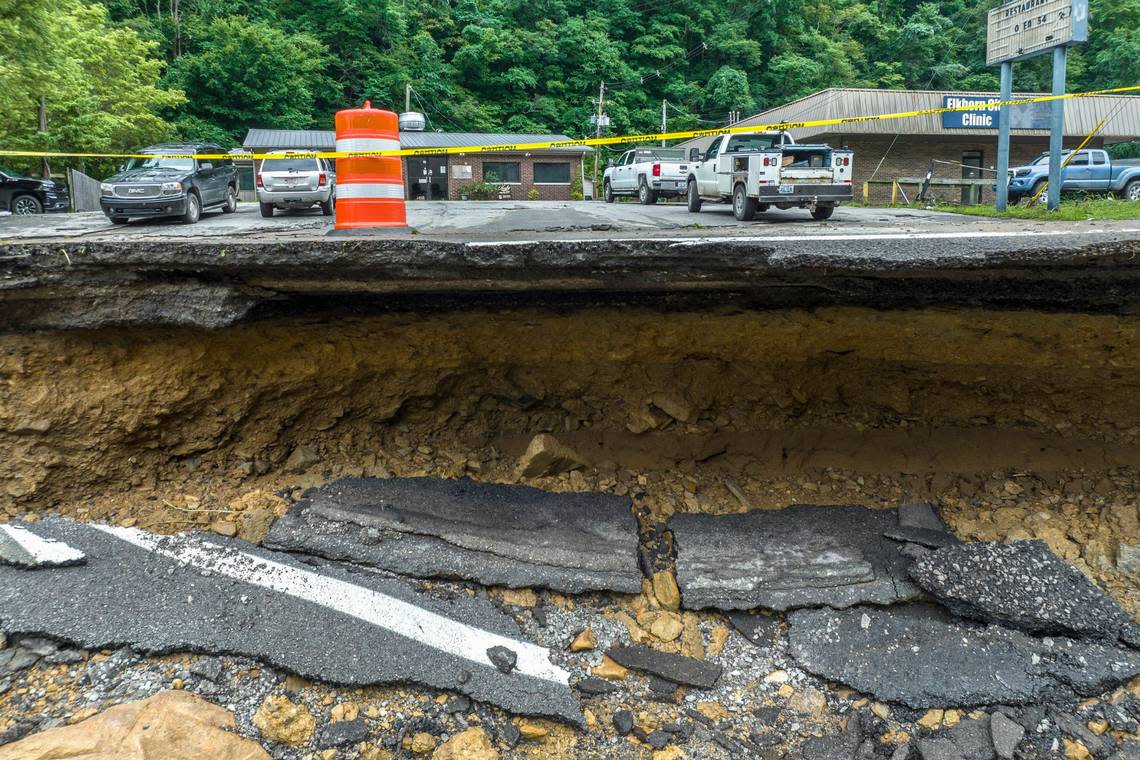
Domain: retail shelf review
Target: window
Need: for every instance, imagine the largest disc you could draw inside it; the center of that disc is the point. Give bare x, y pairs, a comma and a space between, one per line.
1099, 158
1081, 159
751, 142
552, 174
501, 171
290, 165
713, 149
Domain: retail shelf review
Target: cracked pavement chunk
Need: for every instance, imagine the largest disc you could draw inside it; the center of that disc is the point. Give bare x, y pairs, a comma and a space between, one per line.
497, 535
786, 558
921, 656
205, 593
23, 548
1021, 585
672, 667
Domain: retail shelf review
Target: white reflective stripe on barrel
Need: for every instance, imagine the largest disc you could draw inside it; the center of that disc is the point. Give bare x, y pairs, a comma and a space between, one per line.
366, 144
369, 190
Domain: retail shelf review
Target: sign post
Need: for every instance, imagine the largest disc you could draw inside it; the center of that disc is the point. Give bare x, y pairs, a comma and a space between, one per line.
1003, 136
1021, 29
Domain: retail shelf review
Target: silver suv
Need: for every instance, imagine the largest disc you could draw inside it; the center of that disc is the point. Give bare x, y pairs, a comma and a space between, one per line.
296, 182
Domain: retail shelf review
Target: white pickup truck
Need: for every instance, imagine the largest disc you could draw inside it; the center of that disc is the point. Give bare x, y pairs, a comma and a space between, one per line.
648, 172
755, 171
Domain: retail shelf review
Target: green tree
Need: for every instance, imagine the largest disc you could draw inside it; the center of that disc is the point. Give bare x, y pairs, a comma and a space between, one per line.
100, 84
243, 73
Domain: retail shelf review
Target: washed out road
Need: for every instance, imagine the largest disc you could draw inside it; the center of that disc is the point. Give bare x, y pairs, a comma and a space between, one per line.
210, 594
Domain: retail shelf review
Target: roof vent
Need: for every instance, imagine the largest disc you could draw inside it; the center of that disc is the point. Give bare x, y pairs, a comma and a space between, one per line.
412, 121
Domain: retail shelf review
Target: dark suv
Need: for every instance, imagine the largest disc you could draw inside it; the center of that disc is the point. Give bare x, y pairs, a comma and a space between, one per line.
26, 195
163, 185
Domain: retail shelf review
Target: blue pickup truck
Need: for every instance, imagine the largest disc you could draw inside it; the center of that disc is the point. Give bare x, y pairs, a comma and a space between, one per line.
1090, 171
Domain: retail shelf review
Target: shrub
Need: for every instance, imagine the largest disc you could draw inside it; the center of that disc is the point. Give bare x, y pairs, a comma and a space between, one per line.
532, 194
480, 191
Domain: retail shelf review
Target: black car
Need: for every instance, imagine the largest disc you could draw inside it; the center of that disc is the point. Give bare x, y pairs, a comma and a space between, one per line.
164, 185
27, 195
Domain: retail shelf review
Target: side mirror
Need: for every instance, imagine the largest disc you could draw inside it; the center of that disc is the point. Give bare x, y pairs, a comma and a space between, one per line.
121, 168
205, 166
694, 155
610, 162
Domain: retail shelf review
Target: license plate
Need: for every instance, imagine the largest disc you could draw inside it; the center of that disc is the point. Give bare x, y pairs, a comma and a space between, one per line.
787, 189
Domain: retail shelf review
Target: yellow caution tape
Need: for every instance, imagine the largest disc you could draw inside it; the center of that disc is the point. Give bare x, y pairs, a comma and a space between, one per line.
585, 142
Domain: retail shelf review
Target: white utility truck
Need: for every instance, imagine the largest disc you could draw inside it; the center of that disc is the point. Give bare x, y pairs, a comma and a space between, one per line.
758, 170
647, 172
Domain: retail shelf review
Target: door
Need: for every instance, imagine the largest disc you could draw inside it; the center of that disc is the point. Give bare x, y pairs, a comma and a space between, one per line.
621, 176
1100, 171
427, 178
1076, 176
706, 171
971, 169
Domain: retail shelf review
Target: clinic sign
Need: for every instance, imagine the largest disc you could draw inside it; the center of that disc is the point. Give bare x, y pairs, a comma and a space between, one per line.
1021, 29
982, 114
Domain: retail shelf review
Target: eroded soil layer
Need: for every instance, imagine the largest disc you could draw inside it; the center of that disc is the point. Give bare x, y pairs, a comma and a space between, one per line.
696, 411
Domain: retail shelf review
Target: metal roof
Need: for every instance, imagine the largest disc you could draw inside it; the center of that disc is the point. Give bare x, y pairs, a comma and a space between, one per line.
316, 139
1081, 114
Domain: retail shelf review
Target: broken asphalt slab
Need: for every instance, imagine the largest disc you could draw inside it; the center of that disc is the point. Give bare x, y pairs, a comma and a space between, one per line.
676, 668
795, 557
920, 524
1020, 585
214, 595
921, 656
23, 548
497, 535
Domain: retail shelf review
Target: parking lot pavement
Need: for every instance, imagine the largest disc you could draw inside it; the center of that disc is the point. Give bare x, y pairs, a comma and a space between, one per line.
481, 220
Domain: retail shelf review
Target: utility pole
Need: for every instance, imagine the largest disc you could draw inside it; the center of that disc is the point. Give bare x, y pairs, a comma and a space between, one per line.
1002, 201
598, 133
407, 97
664, 120
1057, 128
43, 134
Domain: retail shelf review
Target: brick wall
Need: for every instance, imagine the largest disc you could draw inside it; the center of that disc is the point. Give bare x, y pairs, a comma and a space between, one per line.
546, 192
911, 155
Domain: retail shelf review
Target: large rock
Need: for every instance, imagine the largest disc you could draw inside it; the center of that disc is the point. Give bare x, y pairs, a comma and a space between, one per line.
1020, 585
281, 720
498, 535
172, 725
546, 455
795, 557
472, 744
921, 656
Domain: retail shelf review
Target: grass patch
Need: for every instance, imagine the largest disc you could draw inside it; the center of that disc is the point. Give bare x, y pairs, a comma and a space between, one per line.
1070, 211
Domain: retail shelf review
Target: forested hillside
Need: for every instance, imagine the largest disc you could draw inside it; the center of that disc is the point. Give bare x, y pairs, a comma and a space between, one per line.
127, 72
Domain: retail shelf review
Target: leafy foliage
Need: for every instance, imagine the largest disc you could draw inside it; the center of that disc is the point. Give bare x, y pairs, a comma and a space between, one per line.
113, 78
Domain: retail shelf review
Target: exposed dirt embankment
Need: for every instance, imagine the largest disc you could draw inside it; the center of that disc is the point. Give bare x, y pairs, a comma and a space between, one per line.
697, 410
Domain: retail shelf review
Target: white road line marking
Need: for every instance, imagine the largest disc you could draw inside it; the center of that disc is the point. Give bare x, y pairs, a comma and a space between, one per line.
820, 237
42, 551
399, 617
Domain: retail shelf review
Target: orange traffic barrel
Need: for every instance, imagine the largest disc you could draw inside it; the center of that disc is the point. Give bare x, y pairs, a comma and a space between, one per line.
369, 190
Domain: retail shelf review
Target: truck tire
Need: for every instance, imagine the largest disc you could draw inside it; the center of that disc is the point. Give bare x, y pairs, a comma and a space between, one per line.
743, 206
607, 193
328, 208
230, 205
692, 197
26, 205
266, 209
193, 208
819, 213
1132, 191
644, 195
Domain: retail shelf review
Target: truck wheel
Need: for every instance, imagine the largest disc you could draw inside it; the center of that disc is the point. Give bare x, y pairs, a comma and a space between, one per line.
607, 193
743, 207
692, 197
646, 196
266, 209
25, 205
329, 206
193, 208
230, 205
1132, 191
819, 213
